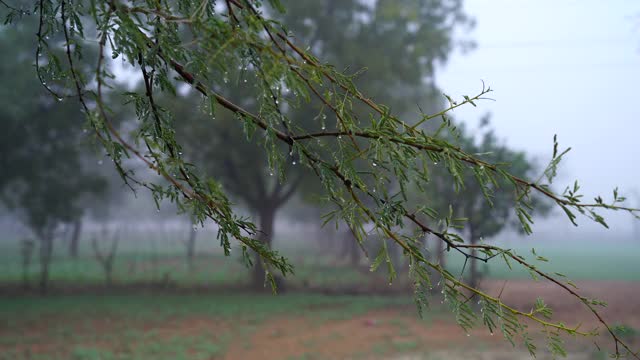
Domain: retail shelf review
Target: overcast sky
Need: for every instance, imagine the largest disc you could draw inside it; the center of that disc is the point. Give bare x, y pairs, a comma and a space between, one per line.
566, 67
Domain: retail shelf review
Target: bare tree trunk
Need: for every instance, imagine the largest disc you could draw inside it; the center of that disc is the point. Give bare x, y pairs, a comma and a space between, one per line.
75, 238
106, 260
474, 276
354, 249
267, 219
191, 247
26, 252
46, 252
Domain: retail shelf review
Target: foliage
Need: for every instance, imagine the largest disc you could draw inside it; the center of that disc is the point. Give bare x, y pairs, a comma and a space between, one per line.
42, 143
198, 42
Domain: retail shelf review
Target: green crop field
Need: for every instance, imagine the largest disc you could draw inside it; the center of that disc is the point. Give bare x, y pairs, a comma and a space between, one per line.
159, 258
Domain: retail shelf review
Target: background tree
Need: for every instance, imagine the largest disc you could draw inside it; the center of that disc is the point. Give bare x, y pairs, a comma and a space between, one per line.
391, 150
419, 34
488, 210
42, 143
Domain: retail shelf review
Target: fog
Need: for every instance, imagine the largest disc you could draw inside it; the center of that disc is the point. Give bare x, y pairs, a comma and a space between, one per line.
570, 68
185, 180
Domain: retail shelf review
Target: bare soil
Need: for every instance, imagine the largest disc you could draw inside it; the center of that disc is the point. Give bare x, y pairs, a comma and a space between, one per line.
394, 333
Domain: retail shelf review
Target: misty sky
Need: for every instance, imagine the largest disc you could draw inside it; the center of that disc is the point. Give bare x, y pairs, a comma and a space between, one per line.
565, 67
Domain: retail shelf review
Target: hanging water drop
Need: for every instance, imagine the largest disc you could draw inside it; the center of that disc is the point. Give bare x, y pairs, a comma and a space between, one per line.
374, 164
100, 162
468, 334
293, 162
323, 127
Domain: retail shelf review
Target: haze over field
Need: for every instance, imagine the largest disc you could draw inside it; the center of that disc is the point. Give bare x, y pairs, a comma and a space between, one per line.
570, 68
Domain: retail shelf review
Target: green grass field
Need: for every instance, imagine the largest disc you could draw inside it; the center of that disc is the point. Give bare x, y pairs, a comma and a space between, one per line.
158, 327
169, 325
151, 258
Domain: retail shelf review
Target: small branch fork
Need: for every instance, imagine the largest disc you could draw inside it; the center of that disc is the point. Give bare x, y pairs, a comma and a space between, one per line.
410, 137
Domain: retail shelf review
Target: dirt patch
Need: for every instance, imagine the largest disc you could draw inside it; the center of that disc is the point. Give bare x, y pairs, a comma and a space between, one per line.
623, 299
383, 333
388, 330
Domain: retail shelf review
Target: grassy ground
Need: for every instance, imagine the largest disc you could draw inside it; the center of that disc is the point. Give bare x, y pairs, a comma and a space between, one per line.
156, 258
158, 327
251, 326
288, 326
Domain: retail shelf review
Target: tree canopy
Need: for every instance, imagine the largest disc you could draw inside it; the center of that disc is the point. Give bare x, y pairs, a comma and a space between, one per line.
401, 81
42, 143
355, 158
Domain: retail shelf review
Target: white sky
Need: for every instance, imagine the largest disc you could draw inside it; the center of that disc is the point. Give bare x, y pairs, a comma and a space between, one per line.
566, 67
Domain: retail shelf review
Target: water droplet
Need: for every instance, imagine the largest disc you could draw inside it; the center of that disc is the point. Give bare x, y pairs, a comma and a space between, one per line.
323, 127
180, 153
435, 163
270, 173
157, 210
374, 164
491, 333
374, 190
195, 227
390, 283
84, 131
293, 162
99, 162
59, 99
245, 80
468, 334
